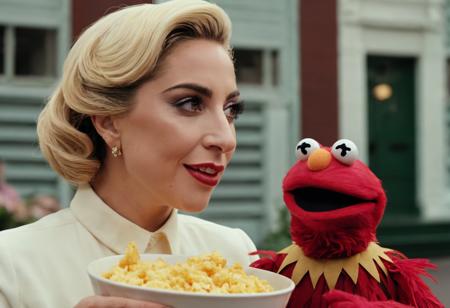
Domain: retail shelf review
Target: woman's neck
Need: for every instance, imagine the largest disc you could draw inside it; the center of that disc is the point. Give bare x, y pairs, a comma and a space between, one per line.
129, 200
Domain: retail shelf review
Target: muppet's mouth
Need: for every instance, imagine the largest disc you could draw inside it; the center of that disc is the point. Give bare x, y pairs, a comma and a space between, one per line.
313, 199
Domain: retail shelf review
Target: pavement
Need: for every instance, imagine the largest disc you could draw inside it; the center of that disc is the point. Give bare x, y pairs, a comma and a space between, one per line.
442, 288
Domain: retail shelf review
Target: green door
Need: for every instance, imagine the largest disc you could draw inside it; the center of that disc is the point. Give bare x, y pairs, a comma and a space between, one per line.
392, 129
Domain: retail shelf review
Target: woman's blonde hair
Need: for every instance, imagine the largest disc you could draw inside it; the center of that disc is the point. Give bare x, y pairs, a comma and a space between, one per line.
103, 70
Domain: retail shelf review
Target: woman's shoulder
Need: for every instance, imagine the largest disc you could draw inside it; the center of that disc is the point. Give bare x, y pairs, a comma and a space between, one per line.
45, 229
233, 243
209, 229
192, 222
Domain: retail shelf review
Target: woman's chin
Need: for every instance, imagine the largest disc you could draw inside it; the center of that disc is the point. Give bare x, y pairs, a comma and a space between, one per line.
193, 209
194, 206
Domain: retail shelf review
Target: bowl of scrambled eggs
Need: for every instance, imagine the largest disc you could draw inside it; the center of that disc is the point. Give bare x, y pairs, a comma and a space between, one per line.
203, 281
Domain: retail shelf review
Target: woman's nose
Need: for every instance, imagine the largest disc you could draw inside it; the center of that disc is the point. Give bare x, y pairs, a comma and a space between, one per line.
221, 135
319, 160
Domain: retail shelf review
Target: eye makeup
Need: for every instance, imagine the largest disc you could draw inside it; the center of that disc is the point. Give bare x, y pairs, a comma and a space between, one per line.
191, 104
232, 111
196, 103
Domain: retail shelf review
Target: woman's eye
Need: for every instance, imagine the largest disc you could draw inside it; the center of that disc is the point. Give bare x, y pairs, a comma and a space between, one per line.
305, 147
345, 151
190, 104
232, 111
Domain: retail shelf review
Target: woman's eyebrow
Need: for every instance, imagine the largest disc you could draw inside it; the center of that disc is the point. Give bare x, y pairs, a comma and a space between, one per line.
191, 86
200, 89
233, 94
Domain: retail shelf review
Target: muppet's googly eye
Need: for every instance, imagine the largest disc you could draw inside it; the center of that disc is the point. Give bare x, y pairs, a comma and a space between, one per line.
305, 147
345, 151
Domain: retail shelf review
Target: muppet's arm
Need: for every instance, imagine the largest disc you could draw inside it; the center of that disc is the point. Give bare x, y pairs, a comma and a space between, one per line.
411, 291
270, 260
342, 299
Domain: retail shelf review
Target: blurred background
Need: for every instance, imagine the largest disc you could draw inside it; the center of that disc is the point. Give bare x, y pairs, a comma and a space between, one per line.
373, 71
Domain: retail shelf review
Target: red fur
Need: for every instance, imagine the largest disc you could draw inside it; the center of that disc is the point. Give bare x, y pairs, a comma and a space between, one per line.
402, 287
268, 261
406, 273
304, 295
341, 299
342, 233
331, 244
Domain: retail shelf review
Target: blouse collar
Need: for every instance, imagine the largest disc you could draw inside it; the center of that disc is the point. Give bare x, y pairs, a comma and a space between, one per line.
114, 230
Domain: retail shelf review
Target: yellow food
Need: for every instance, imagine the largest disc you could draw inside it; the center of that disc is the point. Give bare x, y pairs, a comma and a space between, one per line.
204, 274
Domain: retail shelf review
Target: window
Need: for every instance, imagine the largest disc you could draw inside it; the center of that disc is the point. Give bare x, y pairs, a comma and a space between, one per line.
275, 67
249, 65
27, 54
448, 82
256, 67
34, 52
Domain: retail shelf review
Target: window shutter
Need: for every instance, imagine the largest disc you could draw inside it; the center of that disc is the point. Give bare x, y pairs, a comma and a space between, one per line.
238, 200
25, 83
265, 42
447, 20
26, 169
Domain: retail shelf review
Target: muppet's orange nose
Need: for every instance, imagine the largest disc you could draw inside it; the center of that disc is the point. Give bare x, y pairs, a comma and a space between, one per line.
319, 160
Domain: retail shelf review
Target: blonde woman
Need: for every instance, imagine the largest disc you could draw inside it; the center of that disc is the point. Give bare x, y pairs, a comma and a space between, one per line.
142, 122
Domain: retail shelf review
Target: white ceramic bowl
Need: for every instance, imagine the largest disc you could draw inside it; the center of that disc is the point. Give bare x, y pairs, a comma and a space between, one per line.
278, 298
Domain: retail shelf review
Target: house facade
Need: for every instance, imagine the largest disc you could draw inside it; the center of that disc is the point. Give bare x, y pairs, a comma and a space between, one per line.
392, 59
374, 72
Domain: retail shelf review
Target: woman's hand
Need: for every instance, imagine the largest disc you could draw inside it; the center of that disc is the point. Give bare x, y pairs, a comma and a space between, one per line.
115, 302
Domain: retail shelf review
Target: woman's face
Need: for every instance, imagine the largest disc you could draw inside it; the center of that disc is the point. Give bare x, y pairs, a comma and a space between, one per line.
180, 134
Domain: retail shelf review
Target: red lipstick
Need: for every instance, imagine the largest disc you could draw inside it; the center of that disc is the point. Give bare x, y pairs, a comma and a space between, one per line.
206, 173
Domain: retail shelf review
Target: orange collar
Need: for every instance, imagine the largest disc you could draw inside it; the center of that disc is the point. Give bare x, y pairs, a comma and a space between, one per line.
332, 268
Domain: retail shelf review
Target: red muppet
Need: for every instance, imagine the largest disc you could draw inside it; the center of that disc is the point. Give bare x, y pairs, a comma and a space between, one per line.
336, 203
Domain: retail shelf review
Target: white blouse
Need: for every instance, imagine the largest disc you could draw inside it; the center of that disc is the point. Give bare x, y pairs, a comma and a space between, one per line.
43, 264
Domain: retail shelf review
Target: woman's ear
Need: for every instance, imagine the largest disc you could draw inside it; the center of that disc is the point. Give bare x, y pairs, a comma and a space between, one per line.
106, 127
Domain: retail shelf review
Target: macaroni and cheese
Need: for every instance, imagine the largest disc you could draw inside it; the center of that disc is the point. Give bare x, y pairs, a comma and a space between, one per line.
205, 274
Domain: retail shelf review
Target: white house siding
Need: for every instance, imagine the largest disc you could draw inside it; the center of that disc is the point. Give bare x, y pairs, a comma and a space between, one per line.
271, 26
249, 196
21, 99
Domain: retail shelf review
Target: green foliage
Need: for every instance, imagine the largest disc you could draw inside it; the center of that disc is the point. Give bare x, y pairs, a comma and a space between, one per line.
8, 221
280, 238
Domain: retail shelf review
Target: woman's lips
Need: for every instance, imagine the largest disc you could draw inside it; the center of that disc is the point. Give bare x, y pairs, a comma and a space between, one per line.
207, 173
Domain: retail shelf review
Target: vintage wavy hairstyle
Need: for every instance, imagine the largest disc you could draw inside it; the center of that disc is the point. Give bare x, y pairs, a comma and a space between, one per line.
105, 67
